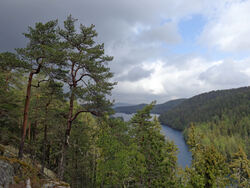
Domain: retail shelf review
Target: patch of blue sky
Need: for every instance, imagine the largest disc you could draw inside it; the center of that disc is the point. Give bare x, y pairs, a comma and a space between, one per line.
190, 29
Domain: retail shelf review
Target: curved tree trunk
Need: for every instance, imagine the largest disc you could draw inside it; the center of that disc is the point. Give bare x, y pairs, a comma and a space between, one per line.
25, 116
26, 110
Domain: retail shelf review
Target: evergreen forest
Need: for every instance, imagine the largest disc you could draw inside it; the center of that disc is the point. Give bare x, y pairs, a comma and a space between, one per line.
56, 117
221, 116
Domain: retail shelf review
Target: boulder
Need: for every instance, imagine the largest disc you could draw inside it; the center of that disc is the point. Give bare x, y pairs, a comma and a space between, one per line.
53, 184
6, 174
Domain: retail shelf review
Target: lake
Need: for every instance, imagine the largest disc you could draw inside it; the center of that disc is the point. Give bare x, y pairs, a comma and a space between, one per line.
184, 155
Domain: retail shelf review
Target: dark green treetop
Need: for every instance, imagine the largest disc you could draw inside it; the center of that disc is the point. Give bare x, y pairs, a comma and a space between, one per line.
89, 76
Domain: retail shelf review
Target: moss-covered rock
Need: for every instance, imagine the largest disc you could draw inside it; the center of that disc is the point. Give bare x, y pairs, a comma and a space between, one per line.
20, 173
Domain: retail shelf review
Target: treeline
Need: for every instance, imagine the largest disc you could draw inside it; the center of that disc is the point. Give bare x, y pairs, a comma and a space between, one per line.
205, 107
226, 134
157, 109
54, 91
210, 168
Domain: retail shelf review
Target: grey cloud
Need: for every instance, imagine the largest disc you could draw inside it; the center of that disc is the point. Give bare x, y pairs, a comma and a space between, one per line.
140, 98
130, 55
226, 75
113, 18
135, 74
165, 33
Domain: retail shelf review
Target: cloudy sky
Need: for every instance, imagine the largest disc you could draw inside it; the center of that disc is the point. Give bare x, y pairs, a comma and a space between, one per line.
163, 49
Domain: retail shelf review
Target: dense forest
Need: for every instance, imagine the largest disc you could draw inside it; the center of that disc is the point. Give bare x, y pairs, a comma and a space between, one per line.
222, 116
207, 106
55, 111
157, 109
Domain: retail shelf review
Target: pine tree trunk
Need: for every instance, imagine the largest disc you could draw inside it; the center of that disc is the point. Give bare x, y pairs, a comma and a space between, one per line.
45, 137
66, 138
25, 116
29, 131
26, 110
44, 146
94, 170
76, 165
48, 154
60, 172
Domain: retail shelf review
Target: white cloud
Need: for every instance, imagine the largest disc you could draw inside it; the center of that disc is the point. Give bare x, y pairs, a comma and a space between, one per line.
228, 28
197, 75
168, 80
227, 74
167, 33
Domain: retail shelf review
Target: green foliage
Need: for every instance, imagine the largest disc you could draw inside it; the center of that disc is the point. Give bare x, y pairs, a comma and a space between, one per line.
113, 165
83, 152
158, 164
240, 167
208, 107
88, 74
11, 70
87, 77
209, 167
225, 134
43, 50
221, 116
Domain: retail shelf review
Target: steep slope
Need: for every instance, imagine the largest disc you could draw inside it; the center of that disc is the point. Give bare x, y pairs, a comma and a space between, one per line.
26, 172
158, 109
208, 106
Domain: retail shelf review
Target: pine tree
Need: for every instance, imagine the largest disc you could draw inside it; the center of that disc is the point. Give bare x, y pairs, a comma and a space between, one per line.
240, 167
209, 167
157, 164
42, 53
87, 78
113, 167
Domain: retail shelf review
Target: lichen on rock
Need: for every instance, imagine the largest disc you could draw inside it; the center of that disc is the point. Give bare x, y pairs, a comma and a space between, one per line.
6, 174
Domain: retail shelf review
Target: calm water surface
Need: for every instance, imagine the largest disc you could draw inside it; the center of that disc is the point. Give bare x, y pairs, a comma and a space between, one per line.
184, 156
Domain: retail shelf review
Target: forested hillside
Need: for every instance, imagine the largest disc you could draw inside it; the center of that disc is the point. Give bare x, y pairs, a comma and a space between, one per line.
158, 109
222, 116
234, 103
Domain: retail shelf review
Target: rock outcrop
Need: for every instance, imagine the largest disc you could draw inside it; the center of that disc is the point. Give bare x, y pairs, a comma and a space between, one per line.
23, 173
6, 174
